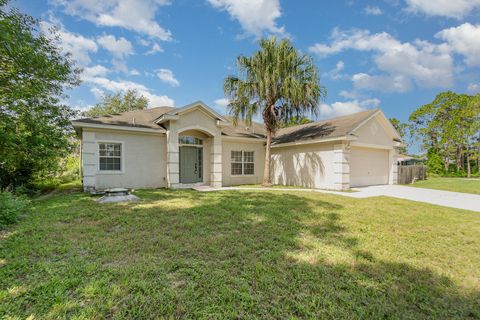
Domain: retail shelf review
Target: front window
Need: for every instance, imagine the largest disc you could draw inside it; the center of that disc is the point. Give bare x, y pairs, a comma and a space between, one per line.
243, 163
188, 140
110, 156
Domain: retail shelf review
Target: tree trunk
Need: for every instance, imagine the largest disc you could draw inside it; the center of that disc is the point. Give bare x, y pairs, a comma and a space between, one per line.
478, 159
458, 159
266, 171
468, 164
445, 164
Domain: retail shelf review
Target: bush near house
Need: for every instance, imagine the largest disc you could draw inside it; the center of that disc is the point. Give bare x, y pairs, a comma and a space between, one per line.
11, 207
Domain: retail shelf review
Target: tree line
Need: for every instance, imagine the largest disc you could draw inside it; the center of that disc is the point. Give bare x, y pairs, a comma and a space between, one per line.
448, 130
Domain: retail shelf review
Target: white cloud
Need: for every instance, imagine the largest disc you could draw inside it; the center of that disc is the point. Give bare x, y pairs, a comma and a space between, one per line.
98, 93
155, 49
372, 11
119, 48
123, 85
337, 109
255, 16
473, 88
81, 106
348, 94
77, 45
381, 83
95, 71
167, 76
361, 40
425, 64
464, 40
447, 8
143, 42
222, 102
135, 15
134, 72
335, 73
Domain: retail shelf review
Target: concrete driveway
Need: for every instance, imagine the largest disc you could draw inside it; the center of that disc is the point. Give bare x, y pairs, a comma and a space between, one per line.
439, 197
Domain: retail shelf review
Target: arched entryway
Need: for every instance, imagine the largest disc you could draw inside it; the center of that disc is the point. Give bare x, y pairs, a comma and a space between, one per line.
191, 159
194, 156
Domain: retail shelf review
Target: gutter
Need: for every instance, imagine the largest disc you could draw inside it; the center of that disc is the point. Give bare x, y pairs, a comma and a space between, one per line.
304, 142
78, 124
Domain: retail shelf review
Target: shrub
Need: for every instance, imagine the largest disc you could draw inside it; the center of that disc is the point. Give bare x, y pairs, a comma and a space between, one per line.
10, 208
435, 163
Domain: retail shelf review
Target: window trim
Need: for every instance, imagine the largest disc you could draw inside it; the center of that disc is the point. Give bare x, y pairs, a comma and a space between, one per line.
122, 157
180, 144
243, 162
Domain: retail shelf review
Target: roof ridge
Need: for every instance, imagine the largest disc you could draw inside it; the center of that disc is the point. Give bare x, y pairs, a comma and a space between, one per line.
126, 112
369, 111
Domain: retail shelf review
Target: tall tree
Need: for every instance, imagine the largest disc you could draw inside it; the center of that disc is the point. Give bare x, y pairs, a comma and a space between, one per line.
467, 130
402, 130
448, 126
118, 102
278, 83
34, 124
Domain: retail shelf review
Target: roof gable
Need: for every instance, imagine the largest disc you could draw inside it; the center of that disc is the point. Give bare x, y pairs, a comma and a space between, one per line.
198, 105
325, 129
384, 122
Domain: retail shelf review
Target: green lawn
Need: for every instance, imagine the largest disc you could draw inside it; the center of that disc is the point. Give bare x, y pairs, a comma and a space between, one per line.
240, 254
276, 186
450, 184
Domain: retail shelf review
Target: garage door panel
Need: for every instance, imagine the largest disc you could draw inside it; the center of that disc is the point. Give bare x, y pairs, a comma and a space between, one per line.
368, 167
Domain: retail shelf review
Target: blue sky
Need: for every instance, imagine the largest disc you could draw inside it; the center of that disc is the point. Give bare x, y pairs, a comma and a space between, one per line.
392, 54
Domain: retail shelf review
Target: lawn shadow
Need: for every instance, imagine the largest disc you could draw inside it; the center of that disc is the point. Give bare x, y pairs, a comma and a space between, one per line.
251, 235
185, 254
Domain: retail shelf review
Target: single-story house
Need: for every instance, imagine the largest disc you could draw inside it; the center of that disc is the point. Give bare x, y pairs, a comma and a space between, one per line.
194, 145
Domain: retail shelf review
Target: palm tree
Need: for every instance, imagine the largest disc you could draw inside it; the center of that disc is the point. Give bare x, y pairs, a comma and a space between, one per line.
277, 83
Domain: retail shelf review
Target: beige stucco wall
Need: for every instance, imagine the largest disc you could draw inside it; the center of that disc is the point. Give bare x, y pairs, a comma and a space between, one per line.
227, 147
143, 160
373, 159
310, 166
373, 132
195, 120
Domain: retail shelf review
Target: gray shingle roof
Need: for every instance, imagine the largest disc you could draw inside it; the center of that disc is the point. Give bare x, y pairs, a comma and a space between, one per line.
139, 118
330, 128
255, 130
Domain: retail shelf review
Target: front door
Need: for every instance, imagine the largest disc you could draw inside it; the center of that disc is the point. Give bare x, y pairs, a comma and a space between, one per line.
190, 164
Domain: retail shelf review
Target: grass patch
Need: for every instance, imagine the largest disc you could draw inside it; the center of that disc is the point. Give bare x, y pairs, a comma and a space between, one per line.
465, 185
240, 254
275, 186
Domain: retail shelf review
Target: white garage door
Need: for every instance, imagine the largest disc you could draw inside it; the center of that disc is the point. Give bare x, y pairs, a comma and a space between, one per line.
368, 167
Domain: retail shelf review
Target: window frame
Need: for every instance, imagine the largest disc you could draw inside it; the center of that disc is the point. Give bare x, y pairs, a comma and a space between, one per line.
243, 162
122, 157
195, 144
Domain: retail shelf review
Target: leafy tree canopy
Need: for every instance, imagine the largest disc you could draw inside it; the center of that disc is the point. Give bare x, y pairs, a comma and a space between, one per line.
118, 102
402, 130
278, 83
295, 121
449, 126
34, 124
